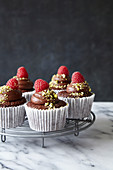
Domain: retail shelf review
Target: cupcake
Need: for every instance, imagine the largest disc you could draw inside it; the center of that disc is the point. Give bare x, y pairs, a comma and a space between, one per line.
24, 83
45, 111
12, 110
79, 96
60, 80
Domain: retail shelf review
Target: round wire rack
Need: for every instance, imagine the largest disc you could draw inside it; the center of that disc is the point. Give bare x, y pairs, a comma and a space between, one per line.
72, 126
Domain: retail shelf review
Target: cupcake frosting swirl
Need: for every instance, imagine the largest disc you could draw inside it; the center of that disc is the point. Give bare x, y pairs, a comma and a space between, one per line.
24, 84
9, 97
47, 97
79, 89
76, 90
59, 81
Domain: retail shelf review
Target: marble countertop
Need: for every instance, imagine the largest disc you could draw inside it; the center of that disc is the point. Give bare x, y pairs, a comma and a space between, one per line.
92, 149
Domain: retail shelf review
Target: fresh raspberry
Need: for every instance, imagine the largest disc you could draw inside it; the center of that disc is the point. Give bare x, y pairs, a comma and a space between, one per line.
63, 70
77, 77
22, 73
12, 83
41, 85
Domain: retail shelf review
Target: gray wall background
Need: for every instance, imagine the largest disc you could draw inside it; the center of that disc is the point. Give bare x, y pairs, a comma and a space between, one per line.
44, 34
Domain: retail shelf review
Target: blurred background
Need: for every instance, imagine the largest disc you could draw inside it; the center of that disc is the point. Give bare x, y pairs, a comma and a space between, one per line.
42, 35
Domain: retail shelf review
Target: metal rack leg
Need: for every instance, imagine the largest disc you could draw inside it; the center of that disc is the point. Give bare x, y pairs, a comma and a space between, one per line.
76, 129
67, 121
3, 137
43, 143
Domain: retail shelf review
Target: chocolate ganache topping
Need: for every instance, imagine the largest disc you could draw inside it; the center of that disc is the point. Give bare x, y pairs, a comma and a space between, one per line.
59, 82
25, 84
46, 99
79, 89
76, 90
10, 97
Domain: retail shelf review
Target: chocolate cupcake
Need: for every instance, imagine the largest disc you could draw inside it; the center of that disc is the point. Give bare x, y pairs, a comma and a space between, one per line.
45, 111
79, 96
12, 110
60, 80
24, 83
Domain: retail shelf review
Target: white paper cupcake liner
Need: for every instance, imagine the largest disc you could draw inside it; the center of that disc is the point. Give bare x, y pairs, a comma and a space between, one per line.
47, 120
57, 91
79, 108
28, 95
11, 117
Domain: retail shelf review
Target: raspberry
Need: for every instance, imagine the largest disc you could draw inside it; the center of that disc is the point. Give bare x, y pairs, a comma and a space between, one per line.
41, 85
12, 83
77, 77
22, 73
63, 70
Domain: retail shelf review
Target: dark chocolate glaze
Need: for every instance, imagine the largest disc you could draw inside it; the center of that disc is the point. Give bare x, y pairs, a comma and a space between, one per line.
61, 78
58, 104
25, 85
46, 99
13, 103
59, 82
10, 97
26, 90
37, 98
75, 90
72, 88
63, 94
58, 88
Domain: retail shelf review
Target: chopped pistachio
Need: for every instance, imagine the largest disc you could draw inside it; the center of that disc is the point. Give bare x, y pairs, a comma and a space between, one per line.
78, 89
82, 93
48, 91
5, 94
43, 93
46, 104
51, 105
89, 89
55, 95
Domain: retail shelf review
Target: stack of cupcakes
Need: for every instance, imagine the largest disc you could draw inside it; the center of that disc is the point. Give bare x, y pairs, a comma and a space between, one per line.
60, 81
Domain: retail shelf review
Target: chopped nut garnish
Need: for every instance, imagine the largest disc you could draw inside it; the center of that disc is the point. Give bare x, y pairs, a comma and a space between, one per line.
55, 95
89, 89
51, 105
46, 104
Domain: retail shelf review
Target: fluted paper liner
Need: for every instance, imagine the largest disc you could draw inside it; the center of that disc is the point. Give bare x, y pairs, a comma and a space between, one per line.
79, 108
11, 117
47, 120
28, 95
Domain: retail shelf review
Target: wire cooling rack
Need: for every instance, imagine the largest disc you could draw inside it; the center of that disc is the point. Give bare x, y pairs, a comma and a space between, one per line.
72, 126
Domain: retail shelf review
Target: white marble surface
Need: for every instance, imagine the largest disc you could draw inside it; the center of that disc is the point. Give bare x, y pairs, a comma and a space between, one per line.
92, 149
